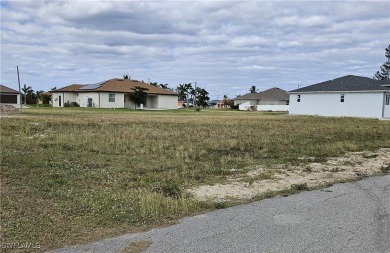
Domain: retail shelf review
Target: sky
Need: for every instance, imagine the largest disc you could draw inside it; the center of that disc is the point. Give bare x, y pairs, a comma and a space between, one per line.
224, 46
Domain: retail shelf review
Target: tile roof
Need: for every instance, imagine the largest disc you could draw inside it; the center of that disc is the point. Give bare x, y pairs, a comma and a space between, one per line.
347, 83
270, 94
118, 85
5, 89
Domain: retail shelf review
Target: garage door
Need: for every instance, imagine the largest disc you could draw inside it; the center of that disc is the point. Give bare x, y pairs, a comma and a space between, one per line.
8, 99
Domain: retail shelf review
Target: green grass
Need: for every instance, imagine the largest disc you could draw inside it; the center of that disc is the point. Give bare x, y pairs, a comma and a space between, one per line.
73, 175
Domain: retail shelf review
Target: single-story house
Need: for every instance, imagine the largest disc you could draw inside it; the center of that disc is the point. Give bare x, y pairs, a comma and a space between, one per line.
351, 96
114, 93
8, 95
274, 99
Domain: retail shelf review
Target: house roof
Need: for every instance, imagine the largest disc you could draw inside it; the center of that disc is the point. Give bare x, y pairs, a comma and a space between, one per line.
117, 85
5, 89
72, 87
347, 83
270, 94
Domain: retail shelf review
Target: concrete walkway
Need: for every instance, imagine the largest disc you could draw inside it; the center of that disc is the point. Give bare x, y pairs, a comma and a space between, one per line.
350, 217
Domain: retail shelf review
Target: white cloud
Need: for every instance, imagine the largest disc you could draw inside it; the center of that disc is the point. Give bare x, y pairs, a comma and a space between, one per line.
223, 45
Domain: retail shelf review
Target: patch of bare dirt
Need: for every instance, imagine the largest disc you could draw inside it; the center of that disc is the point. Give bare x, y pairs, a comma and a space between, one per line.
7, 109
351, 166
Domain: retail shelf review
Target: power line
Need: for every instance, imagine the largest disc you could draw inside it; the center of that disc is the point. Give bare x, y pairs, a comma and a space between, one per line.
6, 72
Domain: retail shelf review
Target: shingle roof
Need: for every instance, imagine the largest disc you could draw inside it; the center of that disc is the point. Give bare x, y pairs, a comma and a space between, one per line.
72, 87
118, 85
347, 83
5, 89
270, 94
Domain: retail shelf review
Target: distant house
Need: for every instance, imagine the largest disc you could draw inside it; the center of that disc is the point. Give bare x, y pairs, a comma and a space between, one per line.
274, 99
352, 96
219, 104
113, 93
8, 95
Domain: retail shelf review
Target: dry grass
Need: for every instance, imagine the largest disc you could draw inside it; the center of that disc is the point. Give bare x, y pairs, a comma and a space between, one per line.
74, 175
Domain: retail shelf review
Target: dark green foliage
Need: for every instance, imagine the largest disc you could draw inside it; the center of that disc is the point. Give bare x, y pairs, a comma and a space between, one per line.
384, 73
138, 96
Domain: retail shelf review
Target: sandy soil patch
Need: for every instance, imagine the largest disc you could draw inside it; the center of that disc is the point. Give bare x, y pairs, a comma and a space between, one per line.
353, 165
7, 109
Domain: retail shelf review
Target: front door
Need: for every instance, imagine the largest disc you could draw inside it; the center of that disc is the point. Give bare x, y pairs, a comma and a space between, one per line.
59, 101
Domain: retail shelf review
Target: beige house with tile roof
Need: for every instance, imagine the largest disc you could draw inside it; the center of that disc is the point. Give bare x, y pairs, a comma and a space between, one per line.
8, 95
114, 93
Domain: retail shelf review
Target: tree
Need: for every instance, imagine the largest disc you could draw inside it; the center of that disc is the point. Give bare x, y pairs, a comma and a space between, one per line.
184, 90
138, 96
26, 90
202, 97
181, 90
164, 86
228, 102
38, 95
154, 84
53, 88
126, 76
384, 73
253, 89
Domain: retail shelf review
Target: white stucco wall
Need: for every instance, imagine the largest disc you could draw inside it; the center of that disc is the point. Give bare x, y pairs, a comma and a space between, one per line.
356, 104
64, 97
167, 102
274, 108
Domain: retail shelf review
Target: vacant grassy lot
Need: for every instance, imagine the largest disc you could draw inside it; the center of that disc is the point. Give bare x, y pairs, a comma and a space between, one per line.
74, 175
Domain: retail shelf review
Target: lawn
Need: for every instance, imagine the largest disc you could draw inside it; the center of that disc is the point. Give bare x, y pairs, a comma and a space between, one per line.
74, 175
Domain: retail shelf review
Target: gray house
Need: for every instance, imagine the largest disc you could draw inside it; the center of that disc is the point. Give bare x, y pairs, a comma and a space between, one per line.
351, 96
274, 99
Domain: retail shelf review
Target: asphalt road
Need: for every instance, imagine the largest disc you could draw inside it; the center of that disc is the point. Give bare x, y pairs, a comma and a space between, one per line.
350, 217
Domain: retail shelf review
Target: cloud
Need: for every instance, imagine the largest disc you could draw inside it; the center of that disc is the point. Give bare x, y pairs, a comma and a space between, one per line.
223, 45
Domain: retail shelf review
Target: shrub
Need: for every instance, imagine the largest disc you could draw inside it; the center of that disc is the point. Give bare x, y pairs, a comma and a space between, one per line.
171, 188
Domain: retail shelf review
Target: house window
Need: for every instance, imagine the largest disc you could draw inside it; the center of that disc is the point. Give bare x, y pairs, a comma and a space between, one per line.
387, 99
342, 98
299, 98
111, 98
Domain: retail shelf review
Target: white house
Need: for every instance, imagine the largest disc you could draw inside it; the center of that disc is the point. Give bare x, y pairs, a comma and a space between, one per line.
113, 93
274, 99
350, 96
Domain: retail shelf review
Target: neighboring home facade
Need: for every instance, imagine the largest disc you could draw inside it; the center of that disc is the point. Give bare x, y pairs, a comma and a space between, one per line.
274, 99
351, 96
8, 95
114, 93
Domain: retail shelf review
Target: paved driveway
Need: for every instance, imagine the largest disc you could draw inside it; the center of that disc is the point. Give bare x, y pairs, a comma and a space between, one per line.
350, 217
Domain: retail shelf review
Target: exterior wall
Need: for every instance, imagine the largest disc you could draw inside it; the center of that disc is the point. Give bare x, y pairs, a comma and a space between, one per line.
64, 97
386, 109
272, 102
244, 106
101, 99
274, 108
356, 104
167, 102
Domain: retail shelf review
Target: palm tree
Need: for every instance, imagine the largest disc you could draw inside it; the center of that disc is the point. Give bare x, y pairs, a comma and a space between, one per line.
253, 89
164, 86
154, 84
181, 90
38, 95
126, 76
26, 90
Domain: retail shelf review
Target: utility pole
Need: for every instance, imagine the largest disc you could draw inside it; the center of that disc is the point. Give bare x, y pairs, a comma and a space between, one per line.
20, 93
194, 102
